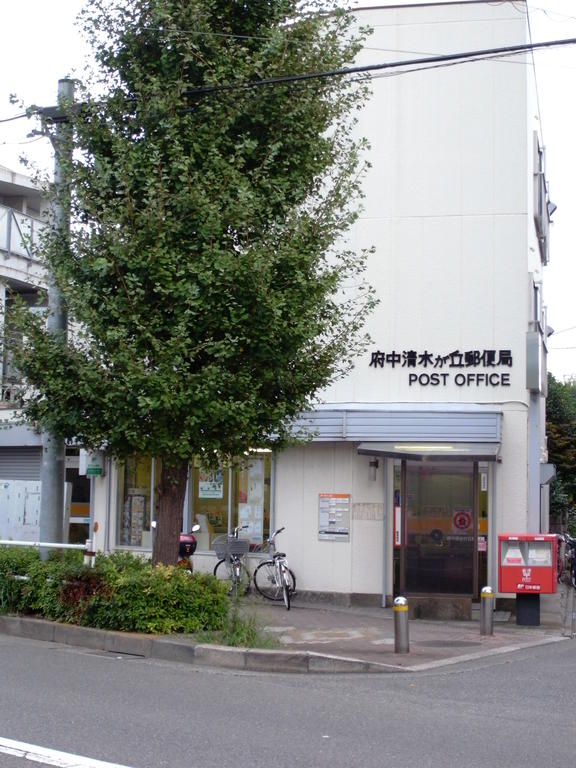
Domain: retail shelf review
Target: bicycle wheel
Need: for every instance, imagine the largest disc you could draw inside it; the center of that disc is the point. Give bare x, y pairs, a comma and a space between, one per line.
291, 581
286, 591
241, 585
265, 581
560, 570
237, 587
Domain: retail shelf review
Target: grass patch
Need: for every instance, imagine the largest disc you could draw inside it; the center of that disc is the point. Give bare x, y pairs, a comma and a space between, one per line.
241, 629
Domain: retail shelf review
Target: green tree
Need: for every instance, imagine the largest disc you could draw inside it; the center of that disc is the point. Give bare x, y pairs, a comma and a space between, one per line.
561, 432
205, 275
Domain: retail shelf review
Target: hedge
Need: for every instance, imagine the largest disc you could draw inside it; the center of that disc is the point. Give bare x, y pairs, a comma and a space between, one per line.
121, 592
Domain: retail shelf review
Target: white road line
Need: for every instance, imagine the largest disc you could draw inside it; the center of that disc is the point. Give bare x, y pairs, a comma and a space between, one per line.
52, 756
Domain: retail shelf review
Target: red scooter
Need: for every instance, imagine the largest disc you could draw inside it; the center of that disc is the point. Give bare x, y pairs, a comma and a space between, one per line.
187, 548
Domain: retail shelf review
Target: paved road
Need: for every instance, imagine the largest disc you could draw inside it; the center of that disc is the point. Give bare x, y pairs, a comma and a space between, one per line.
515, 710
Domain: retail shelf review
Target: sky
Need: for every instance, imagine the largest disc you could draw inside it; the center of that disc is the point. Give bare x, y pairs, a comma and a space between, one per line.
41, 44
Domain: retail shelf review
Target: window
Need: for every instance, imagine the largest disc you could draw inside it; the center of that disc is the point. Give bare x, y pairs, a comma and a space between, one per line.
218, 499
232, 496
135, 499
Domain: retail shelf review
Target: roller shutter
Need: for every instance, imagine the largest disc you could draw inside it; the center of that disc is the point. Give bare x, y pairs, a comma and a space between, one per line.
20, 463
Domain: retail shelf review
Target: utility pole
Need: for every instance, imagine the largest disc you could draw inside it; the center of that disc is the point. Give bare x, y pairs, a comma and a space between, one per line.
53, 470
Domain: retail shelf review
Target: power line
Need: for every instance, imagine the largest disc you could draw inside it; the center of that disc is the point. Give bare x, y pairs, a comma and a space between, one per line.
16, 117
21, 143
565, 330
54, 114
367, 68
560, 349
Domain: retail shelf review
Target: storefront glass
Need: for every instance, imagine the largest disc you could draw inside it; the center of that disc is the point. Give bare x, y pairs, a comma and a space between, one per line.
231, 497
441, 527
135, 499
218, 499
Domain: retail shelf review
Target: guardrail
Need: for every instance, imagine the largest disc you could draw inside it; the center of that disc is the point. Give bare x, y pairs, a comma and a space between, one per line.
89, 554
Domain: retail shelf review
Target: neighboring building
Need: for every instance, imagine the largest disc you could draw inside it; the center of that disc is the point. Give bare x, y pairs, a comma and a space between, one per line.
435, 443
20, 447
21, 220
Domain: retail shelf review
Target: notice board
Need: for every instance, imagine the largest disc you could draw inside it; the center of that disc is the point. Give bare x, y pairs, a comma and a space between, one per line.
334, 517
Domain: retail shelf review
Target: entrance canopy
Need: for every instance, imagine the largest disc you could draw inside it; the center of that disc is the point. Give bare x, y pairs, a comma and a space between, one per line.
437, 451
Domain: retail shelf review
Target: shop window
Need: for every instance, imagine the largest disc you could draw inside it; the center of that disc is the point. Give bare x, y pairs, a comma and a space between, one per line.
228, 497
135, 499
251, 502
218, 499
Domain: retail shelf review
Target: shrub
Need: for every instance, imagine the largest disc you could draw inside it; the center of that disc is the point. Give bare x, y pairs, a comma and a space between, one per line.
159, 600
121, 592
15, 564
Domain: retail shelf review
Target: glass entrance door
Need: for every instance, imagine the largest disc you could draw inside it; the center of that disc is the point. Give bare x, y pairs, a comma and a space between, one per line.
439, 538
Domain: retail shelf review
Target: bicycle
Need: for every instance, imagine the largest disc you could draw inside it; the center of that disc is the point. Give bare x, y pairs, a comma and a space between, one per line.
272, 578
566, 563
231, 551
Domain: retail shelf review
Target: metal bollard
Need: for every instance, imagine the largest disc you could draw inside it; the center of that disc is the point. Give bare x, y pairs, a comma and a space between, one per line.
401, 638
487, 611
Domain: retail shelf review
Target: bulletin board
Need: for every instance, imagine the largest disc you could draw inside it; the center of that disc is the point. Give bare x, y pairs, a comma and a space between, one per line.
334, 517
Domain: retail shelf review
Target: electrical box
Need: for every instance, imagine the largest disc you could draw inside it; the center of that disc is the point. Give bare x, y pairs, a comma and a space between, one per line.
527, 563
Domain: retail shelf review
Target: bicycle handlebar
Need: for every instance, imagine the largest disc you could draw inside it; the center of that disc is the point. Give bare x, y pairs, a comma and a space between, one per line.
276, 532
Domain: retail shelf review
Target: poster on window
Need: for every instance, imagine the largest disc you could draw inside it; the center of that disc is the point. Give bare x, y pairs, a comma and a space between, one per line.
462, 520
134, 519
252, 516
251, 501
397, 526
210, 483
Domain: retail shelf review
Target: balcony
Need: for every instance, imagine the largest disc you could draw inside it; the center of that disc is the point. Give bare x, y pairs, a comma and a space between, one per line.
19, 234
8, 394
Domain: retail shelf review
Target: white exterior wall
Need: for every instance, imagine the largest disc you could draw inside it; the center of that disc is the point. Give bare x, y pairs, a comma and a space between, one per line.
326, 566
449, 210
446, 199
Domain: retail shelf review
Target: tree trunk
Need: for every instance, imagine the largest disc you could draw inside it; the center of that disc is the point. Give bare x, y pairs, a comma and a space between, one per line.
171, 493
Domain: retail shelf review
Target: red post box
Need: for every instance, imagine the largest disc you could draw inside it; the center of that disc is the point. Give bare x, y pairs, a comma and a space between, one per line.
527, 563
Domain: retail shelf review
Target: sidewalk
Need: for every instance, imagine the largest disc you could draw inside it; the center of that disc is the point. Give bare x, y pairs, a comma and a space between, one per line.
367, 634
318, 638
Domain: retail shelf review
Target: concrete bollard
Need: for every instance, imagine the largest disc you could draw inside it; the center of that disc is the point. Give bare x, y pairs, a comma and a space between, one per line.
401, 635
487, 611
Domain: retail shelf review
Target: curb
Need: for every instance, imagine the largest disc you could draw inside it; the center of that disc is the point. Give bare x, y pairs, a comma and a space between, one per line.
174, 649
177, 649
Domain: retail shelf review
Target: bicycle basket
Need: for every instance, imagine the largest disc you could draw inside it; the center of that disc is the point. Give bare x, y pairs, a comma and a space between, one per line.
219, 545
229, 545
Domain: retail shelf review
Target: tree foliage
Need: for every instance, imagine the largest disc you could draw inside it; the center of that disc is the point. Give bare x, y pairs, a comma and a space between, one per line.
205, 272
561, 432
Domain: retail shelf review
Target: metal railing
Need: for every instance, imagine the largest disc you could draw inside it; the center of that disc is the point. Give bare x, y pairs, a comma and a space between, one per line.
19, 233
8, 393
